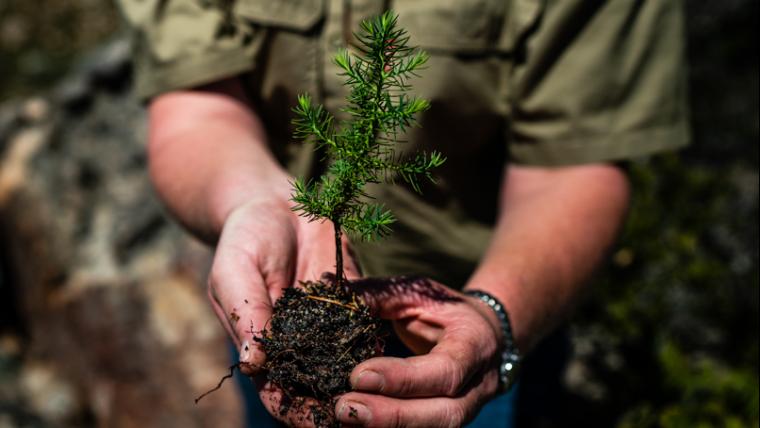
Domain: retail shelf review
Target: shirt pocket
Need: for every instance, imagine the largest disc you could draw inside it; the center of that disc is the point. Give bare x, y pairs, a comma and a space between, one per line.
297, 15
461, 79
453, 26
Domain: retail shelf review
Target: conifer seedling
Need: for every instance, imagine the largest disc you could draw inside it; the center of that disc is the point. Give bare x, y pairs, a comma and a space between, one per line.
362, 149
318, 333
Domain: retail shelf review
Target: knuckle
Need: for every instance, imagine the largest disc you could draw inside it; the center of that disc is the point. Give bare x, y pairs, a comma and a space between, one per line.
396, 419
406, 384
453, 378
454, 416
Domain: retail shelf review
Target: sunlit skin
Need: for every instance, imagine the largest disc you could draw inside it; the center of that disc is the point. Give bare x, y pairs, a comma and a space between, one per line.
211, 165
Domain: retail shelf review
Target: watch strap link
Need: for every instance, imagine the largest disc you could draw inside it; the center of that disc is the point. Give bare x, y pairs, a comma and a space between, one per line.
510, 356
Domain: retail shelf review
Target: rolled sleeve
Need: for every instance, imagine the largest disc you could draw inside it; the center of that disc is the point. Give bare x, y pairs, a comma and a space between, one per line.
186, 43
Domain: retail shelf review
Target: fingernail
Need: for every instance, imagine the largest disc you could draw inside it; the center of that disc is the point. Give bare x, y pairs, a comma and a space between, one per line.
369, 380
245, 352
353, 412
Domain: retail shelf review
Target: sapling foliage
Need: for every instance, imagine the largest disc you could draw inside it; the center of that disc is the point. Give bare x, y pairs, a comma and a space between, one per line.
361, 149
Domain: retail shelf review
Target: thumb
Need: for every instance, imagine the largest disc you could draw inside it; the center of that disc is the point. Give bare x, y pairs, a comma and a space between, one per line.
244, 306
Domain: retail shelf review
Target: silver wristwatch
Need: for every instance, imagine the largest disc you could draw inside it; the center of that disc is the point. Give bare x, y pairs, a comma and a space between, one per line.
510, 356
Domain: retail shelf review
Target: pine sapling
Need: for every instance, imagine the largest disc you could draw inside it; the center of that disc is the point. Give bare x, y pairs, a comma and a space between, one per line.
362, 149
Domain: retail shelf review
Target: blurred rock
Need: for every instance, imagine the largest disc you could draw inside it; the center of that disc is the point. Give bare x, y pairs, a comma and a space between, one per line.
14, 30
35, 110
111, 64
106, 69
116, 327
10, 346
73, 93
48, 394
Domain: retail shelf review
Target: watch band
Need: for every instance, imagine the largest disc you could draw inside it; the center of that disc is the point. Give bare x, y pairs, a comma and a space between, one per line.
510, 356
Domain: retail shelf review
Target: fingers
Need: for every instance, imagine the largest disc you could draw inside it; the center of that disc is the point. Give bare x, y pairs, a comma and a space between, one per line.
242, 303
380, 411
466, 348
443, 388
292, 412
434, 374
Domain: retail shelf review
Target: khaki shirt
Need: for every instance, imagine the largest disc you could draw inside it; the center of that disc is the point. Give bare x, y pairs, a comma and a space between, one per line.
510, 81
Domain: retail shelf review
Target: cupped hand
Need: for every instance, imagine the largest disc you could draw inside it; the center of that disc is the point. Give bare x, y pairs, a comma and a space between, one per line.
457, 339
264, 247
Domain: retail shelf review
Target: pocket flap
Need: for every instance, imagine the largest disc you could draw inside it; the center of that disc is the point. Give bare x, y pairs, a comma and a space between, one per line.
289, 14
464, 26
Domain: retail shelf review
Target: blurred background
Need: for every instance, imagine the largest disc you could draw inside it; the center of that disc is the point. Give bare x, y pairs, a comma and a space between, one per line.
103, 319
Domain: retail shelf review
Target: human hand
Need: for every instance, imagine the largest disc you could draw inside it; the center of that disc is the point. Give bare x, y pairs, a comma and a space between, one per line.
263, 248
457, 339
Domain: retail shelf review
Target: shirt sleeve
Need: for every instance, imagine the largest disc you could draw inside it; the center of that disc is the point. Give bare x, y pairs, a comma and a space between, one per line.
185, 43
599, 81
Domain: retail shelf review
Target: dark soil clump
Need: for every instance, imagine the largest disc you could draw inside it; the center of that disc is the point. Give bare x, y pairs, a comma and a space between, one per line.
317, 335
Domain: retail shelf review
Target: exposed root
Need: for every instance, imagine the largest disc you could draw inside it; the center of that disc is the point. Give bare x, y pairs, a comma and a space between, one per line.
221, 382
349, 306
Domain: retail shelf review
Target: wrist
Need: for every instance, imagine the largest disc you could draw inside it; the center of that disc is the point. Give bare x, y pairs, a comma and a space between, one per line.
510, 289
238, 191
509, 356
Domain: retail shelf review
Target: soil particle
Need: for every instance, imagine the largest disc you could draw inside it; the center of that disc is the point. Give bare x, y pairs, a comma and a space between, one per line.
352, 412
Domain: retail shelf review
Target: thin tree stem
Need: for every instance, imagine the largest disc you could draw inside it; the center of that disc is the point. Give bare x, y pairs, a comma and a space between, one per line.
338, 253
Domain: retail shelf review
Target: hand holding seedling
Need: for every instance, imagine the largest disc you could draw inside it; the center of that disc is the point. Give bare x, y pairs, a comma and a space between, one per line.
458, 337
457, 341
361, 151
211, 164
251, 269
